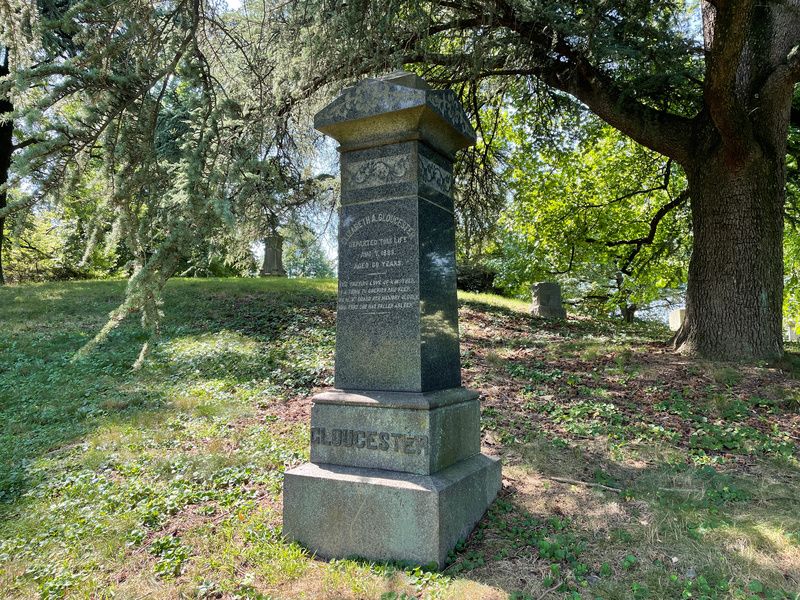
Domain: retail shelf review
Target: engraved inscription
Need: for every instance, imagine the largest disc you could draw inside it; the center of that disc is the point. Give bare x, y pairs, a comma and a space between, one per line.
370, 440
435, 176
376, 248
389, 219
377, 294
379, 171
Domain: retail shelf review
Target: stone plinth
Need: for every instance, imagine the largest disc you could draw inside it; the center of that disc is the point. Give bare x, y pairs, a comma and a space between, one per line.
396, 471
547, 301
397, 431
676, 318
387, 516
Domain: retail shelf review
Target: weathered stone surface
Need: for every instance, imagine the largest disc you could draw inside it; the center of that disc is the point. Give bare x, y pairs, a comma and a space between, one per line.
384, 111
396, 471
382, 515
676, 318
547, 300
272, 266
395, 434
397, 317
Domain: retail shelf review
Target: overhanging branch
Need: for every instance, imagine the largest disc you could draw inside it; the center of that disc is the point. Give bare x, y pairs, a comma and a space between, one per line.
560, 65
640, 242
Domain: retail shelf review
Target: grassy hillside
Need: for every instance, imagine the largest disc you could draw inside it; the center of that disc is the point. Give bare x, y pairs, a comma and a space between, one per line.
629, 472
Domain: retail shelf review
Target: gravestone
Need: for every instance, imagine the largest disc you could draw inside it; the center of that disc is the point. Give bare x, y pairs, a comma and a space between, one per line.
396, 471
547, 300
790, 327
273, 257
676, 318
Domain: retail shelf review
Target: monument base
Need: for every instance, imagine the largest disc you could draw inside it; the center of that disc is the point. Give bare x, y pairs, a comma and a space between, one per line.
419, 433
340, 512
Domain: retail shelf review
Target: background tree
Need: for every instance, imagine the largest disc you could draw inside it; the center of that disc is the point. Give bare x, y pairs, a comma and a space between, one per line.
720, 110
30, 32
598, 212
6, 150
54, 240
169, 97
792, 233
303, 255
274, 198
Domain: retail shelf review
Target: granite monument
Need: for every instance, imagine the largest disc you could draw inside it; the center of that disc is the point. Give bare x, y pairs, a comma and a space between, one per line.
547, 300
396, 470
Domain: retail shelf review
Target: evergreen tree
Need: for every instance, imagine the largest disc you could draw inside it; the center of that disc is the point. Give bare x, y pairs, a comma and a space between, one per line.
170, 97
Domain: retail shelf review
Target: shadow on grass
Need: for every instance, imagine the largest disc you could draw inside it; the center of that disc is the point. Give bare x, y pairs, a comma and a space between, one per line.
49, 403
669, 530
702, 457
596, 403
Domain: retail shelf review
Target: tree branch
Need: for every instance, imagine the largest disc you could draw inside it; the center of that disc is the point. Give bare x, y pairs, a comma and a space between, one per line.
561, 66
569, 266
660, 214
727, 25
785, 76
640, 242
624, 197
24, 144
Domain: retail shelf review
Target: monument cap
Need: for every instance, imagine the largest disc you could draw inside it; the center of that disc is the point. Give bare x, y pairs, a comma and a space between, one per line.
396, 108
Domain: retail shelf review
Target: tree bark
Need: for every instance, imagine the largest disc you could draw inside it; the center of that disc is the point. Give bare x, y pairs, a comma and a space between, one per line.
734, 295
6, 150
273, 257
733, 151
628, 312
737, 183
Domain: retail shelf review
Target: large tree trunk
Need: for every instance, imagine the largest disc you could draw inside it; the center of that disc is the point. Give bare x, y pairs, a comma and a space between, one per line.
6, 149
734, 296
737, 179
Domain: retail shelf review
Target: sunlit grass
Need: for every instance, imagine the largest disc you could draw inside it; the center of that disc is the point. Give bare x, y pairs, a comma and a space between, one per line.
166, 482
497, 301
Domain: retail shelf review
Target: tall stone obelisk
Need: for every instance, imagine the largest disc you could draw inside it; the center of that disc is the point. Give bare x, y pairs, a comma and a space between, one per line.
396, 471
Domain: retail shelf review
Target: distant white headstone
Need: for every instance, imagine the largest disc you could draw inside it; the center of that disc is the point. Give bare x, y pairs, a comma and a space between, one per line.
676, 318
790, 328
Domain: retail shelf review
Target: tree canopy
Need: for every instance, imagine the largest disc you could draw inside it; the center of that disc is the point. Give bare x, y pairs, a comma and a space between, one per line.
625, 147
600, 213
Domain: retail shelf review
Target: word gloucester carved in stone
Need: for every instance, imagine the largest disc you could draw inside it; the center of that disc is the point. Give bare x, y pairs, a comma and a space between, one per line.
370, 440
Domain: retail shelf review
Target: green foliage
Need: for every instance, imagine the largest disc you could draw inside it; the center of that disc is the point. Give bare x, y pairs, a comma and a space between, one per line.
572, 205
171, 555
303, 255
791, 238
149, 131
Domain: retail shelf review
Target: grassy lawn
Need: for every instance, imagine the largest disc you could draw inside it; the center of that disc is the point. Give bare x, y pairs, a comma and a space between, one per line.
629, 472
